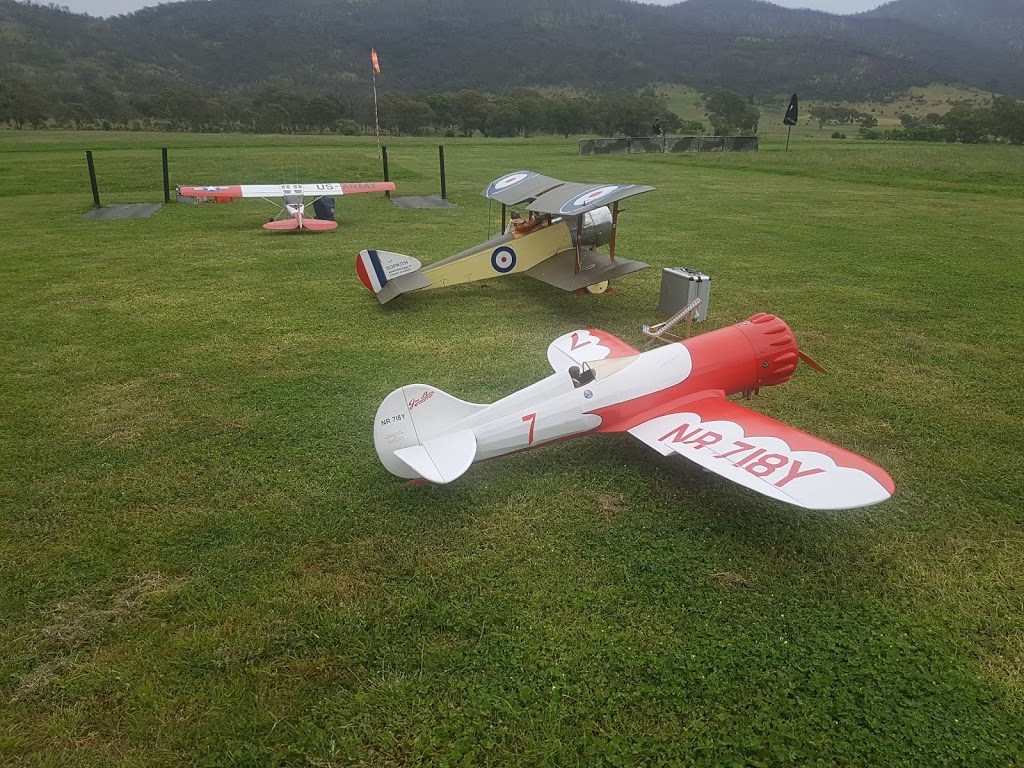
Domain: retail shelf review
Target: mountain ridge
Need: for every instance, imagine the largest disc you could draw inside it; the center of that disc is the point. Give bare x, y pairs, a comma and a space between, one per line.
750, 46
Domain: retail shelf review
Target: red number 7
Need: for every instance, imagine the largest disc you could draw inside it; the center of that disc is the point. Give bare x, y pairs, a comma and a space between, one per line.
532, 418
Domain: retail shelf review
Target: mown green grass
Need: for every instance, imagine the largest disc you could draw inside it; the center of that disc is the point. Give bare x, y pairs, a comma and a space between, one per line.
204, 561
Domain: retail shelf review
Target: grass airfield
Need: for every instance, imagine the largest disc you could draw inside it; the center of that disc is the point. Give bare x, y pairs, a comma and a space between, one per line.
205, 563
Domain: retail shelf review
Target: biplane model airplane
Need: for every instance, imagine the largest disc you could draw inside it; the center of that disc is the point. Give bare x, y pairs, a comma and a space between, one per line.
292, 215
673, 398
556, 245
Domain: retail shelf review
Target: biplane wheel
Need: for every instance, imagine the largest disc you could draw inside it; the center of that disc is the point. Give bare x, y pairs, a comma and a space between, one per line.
597, 288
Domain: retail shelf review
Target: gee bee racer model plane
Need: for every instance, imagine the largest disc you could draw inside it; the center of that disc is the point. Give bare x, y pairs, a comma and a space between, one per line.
556, 245
673, 398
293, 207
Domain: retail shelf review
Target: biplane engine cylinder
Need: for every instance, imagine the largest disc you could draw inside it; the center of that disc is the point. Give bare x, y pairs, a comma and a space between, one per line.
597, 228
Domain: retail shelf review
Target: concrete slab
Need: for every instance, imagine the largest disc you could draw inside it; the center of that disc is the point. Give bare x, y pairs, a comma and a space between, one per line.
131, 211
430, 201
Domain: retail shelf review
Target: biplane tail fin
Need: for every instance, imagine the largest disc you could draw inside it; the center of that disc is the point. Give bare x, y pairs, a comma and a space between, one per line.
416, 434
389, 274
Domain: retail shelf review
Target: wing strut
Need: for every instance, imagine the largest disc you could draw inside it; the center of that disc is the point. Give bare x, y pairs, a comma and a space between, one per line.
615, 224
579, 238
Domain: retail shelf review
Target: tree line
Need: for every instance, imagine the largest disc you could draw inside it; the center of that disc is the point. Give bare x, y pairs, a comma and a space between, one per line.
277, 109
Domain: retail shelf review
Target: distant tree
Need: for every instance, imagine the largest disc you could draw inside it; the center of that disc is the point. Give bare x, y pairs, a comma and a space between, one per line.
23, 105
729, 113
532, 108
867, 121
963, 124
322, 112
414, 116
348, 128
1007, 119
272, 118
625, 114
469, 111
442, 107
822, 113
182, 107
503, 119
568, 115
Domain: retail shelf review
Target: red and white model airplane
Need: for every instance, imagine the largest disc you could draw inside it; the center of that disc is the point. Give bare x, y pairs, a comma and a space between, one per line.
293, 207
673, 398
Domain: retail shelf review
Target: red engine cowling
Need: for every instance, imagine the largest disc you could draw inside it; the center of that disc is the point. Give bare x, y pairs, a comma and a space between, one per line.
774, 348
758, 352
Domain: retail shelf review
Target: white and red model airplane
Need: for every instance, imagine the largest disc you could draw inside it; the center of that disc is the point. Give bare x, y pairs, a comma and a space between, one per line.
293, 207
672, 398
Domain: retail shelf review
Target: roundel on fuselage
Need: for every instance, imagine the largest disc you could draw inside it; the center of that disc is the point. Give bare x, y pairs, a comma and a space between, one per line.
503, 259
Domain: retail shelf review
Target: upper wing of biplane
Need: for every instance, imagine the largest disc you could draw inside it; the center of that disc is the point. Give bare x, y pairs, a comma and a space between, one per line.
767, 456
577, 199
282, 190
559, 198
514, 188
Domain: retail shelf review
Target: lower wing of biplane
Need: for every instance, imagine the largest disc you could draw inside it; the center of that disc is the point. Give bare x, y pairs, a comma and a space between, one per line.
557, 245
292, 211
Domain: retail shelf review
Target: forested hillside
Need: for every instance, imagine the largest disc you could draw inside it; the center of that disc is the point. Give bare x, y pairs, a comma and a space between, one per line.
235, 49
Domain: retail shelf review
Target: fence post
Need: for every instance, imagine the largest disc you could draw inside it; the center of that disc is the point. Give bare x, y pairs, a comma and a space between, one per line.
167, 177
444, 188
92, 179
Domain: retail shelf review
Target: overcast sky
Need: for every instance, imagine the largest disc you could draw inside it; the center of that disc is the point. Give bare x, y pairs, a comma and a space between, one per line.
114, 7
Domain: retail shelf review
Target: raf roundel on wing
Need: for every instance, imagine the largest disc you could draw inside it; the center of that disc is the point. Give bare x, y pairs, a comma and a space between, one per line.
588, 198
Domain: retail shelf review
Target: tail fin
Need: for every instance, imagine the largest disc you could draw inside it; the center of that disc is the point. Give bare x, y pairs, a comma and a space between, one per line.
416, 434
376, 269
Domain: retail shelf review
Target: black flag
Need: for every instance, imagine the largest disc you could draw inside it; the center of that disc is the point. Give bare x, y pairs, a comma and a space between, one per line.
792, 114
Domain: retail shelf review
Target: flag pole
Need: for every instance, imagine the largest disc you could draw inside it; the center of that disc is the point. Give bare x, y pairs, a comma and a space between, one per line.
787, 137
376, 119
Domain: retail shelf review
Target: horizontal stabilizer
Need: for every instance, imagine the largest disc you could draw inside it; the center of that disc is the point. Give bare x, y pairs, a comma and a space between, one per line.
319, 225
404, 284
442, 459
282, 225
595, 267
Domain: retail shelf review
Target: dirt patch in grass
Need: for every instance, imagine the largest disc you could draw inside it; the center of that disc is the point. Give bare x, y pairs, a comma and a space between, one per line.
122, 412
730, 579
610, 506
75, 628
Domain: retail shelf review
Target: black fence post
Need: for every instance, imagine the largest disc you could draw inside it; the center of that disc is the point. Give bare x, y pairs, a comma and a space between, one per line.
384, 156
444, 188
92, 179
167, 177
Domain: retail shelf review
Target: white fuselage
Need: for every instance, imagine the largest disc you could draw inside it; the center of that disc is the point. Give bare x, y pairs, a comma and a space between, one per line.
552, 409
